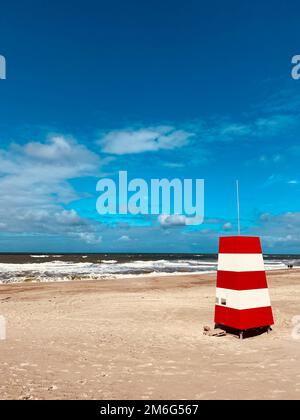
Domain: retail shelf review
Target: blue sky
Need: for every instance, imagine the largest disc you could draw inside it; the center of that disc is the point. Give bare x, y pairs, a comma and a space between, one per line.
169, 89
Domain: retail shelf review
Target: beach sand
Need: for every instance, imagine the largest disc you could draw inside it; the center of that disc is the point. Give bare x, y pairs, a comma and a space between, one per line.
142, 339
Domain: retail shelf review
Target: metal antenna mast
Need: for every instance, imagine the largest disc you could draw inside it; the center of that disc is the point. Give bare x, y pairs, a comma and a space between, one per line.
238, 206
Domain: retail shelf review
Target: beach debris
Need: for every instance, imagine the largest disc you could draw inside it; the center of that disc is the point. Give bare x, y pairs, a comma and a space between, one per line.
5, 299
52, 388
216, 332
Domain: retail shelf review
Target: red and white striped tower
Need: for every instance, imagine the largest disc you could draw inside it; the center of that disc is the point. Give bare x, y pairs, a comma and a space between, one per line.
242, 296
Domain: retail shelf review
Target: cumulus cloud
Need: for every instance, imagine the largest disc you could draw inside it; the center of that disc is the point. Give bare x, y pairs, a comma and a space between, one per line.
173, 165
149, 139
173, 220
124, 238
36, 171
220, 130
59, 148
263, 123
90, 238
227, 226
279, 232
34, 182
282, 101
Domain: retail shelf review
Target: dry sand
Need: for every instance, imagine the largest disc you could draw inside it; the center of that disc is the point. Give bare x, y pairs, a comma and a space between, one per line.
142, 339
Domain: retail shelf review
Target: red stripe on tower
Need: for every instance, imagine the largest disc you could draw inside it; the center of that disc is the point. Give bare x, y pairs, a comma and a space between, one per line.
242, 280
242, 295
240, 245
244, 320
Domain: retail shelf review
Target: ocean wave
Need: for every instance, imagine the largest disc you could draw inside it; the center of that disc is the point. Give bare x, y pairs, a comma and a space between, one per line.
45, 256
59, 270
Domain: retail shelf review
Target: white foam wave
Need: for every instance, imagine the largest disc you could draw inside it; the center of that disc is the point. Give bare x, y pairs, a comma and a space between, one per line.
45, 256
59, 270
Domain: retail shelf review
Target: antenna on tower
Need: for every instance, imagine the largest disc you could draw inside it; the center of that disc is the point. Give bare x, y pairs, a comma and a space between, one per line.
238, 206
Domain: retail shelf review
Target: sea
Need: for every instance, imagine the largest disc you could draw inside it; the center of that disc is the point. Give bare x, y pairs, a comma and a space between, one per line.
67, 267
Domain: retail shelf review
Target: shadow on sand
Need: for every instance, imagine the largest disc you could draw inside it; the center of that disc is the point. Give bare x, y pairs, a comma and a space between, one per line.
253, 332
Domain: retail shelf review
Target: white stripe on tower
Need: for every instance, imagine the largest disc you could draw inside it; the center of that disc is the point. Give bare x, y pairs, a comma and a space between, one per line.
241, 262
243, 299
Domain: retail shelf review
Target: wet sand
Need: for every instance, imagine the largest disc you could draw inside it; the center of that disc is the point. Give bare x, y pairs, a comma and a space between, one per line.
142, 339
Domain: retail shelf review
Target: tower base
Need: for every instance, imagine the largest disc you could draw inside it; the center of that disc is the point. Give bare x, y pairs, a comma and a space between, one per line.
247, 333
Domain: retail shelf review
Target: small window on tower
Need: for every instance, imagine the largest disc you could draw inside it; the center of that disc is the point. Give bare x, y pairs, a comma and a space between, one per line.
223, 302
217, 300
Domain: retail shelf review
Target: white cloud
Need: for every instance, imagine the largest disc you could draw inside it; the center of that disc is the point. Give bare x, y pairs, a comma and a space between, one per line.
282, 101
59, 148
34, 182
173, 165
69, 217
279, 232
124, 238
227, 226
149, 139
222, 130
36, 171
177, 220
90, 238
253, 127
172, 220
273, 124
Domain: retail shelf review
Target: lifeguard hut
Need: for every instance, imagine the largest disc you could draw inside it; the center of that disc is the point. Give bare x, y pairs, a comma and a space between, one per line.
242, 295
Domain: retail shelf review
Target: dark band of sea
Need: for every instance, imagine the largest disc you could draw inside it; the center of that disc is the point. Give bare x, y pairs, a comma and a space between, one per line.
64, 267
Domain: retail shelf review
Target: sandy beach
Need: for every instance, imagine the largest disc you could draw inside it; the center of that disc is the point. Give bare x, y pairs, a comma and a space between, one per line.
142, 339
